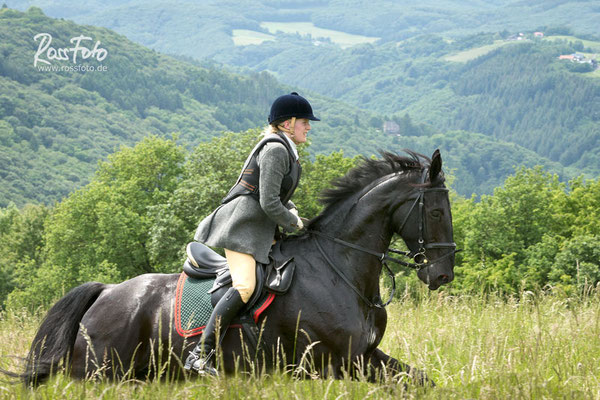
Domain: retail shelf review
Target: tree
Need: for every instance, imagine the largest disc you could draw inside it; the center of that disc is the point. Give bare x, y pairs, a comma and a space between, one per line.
211, 169
584, 205
501, 228
101, 232
577, 264
21, 245
316, 177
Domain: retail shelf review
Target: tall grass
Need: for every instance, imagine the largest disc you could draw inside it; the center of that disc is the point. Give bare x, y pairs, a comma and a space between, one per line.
535, 346
479, 347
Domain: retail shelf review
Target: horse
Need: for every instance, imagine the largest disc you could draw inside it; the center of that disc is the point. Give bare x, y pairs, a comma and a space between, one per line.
333, 312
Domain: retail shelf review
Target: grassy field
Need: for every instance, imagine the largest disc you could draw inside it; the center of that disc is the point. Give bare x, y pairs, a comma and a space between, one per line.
594, 45
537, 346
475, 52
593, 74
308, 28
244, 37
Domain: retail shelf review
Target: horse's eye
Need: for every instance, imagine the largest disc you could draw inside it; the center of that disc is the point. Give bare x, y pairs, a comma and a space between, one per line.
436, 214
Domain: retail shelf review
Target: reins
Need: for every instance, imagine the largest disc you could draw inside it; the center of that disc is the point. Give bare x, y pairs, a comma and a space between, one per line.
381, 256
364, 298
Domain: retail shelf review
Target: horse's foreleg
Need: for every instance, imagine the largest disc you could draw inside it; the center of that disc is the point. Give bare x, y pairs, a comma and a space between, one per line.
380, 367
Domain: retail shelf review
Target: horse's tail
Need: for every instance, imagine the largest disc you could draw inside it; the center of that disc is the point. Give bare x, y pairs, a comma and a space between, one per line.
56, 336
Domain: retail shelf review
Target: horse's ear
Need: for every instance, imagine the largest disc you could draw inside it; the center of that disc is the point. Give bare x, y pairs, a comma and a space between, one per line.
436, 165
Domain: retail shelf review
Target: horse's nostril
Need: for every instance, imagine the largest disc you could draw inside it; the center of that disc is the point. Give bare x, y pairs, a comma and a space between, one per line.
444, 278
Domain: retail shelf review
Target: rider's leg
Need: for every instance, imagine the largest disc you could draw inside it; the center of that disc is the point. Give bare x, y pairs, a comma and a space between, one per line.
243, 275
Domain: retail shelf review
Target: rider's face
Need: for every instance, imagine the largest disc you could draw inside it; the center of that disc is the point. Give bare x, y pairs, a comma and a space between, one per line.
301, 130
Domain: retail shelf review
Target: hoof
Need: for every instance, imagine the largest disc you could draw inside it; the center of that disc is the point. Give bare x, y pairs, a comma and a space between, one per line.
420, 378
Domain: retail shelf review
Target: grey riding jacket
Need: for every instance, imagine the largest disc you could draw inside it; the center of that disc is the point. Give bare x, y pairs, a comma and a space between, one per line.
247, 223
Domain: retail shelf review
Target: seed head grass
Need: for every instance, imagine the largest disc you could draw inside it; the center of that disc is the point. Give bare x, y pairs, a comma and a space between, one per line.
534, 346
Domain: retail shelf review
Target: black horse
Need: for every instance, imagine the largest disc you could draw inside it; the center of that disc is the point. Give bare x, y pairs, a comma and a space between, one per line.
332, 315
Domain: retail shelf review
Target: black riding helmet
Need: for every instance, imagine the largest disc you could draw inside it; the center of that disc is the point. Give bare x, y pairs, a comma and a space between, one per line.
291, 105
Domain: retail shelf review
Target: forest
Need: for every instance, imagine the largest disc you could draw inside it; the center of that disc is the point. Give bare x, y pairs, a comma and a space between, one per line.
143, 204
179, 30
56, 126
518, 93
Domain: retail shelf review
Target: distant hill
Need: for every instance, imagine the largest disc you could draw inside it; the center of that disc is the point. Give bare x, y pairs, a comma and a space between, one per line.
183, 27
512, 91
56, 122
55, 125
427, 59
525, 95
477, 163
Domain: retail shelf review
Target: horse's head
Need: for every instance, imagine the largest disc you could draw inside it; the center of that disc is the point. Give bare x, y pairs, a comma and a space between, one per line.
396, 194
424, 221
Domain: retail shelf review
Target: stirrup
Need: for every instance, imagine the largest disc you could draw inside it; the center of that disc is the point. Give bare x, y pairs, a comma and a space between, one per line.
201, 365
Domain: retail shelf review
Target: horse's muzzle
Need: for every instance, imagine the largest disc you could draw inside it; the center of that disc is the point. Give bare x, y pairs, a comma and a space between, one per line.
433, 278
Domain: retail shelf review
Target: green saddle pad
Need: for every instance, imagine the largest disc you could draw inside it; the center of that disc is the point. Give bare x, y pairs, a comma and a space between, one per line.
193, 306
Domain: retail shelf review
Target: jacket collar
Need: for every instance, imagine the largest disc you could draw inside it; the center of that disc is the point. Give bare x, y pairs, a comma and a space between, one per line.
292, 145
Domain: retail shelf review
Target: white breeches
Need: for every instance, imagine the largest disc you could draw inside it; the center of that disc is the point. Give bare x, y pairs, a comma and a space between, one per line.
243, 273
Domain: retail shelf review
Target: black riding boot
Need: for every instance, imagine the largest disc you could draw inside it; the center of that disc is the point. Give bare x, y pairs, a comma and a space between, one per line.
201, 359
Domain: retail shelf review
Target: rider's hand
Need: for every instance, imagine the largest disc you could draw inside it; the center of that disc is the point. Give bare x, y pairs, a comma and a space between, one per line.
300, 221
300, 224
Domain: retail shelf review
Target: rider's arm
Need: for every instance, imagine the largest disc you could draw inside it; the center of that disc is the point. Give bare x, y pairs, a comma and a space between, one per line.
274, 162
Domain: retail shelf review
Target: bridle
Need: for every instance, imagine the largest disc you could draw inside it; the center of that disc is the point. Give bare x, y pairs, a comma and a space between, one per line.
419, 200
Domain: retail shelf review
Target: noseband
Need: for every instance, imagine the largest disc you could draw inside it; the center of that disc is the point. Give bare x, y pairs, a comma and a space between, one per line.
383, 257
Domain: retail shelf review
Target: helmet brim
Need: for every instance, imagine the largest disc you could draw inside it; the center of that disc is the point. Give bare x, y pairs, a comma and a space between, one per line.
286, 117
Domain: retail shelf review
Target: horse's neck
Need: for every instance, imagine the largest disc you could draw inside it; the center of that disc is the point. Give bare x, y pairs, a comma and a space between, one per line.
362, 219
367, 227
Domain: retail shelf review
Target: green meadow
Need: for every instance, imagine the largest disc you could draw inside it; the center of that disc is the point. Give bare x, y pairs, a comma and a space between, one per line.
244, 37
475, 52
539, 346
594, 45
308, 28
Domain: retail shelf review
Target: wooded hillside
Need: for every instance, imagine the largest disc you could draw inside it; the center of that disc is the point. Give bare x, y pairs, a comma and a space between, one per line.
518, 93
56, 125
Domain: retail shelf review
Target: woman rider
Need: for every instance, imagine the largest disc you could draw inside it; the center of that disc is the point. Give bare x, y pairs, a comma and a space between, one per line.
246, 221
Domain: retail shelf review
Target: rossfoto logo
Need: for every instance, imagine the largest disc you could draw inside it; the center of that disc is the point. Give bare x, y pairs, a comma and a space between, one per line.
46, 54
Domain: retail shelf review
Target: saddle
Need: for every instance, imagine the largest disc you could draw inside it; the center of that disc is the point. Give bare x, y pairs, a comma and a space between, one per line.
204, 263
